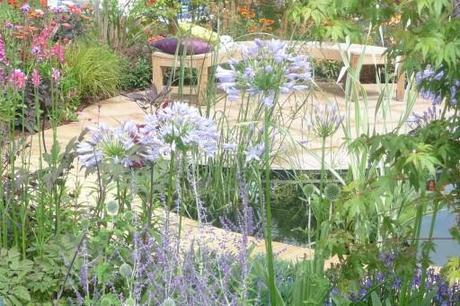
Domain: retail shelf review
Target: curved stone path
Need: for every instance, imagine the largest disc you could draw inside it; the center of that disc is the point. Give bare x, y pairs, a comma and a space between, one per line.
118, 109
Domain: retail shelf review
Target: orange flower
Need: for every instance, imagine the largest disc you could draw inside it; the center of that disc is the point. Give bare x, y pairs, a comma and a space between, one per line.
266, 21
150, 2
44, 4
246, 12
13, 3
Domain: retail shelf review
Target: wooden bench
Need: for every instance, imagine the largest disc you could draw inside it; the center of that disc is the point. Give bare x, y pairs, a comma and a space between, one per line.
355, 55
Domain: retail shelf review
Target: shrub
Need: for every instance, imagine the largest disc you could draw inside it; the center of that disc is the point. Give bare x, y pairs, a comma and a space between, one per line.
96, 69
137, 74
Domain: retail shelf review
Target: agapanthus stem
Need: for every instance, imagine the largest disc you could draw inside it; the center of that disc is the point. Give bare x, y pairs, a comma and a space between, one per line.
322, 173
268, 211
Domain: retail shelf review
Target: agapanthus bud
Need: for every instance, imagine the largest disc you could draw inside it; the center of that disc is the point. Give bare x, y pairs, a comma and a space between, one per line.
325, 120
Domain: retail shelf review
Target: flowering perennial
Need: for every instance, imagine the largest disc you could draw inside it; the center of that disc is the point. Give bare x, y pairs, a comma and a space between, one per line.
180, 126
267, 69
435, 86
325, 120
176, 127
17, 79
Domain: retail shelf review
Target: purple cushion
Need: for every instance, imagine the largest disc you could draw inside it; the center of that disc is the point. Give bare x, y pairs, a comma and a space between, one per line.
189, 45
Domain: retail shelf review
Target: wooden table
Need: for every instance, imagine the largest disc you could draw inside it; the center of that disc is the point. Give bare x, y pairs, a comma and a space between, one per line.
353, 55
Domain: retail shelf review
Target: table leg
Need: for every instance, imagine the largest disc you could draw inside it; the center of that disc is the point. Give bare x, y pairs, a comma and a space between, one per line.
157, 76
401, 80
400, 84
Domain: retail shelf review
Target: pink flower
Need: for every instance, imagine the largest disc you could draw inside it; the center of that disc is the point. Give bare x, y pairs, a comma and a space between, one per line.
36, 78
2, 51
58, 51
17, 79
55, 74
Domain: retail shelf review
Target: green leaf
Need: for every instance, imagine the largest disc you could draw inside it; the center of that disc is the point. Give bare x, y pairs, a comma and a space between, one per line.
21, 293
375, 299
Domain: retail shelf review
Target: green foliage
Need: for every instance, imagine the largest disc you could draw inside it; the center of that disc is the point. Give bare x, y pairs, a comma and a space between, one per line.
452, 270
424, 31
137, 74
34, 280
95, 67
310, 287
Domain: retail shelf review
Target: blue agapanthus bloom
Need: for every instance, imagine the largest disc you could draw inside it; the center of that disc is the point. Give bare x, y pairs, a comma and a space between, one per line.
131, 145
179, 126
267, 68
435, 85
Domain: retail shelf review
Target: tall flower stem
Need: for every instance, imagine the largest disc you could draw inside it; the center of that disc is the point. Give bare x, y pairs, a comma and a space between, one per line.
323, 157
150, 200
426, 252
268, 211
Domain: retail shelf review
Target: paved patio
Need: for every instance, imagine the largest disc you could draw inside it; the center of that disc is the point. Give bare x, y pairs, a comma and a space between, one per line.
118, 109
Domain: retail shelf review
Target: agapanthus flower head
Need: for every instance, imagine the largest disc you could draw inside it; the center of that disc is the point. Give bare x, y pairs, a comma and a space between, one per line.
17, 79
180, 127
267, 69
419, 120
255, 152
36, 78
435, 85
325, 120
113, 146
